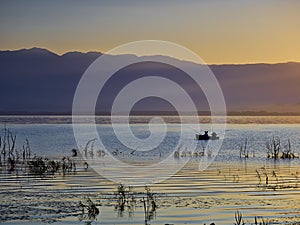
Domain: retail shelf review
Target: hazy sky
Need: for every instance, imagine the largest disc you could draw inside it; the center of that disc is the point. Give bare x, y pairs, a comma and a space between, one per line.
219, 31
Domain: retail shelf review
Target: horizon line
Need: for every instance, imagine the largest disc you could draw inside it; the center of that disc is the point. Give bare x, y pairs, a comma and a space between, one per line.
149, 113
99, 52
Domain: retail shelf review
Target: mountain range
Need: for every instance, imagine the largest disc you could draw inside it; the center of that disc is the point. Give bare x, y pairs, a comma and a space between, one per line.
38, 81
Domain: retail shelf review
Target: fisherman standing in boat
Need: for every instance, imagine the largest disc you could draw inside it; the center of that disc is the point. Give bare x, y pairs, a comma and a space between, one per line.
205, 136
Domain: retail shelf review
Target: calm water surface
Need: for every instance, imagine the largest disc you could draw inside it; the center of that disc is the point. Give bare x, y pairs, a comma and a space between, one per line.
189, 197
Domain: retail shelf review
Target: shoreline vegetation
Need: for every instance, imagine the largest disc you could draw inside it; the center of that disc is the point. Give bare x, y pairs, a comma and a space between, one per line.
24, 163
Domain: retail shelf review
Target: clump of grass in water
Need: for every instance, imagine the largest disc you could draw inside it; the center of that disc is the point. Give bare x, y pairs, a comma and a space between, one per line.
125, 199
296, 175
275, 181
149, 203
37, 166
262, 222
8, 155
276, 151
287, 152
13, 160
273, 148
244, 152
238, 218
89, 211
40, 166
259, 178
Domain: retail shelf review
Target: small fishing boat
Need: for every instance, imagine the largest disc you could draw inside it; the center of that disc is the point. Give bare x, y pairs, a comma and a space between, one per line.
206, 137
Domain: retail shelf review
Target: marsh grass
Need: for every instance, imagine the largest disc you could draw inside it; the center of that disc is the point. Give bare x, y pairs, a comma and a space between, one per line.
238, 218
13, 160
276, 151
149, 203
9, 155
244, 152
89, 211
261, 222
258, 220
127, 200
271, 179
39, 166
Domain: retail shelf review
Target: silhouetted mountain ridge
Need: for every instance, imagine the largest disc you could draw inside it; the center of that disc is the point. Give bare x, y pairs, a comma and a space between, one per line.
38, 80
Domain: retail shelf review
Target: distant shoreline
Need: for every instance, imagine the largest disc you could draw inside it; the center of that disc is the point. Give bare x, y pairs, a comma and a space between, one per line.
145, 119
152, 113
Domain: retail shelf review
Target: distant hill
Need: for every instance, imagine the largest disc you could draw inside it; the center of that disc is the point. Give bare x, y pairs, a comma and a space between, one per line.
39, 81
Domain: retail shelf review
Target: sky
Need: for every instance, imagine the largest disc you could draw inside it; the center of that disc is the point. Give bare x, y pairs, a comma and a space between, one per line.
219, 31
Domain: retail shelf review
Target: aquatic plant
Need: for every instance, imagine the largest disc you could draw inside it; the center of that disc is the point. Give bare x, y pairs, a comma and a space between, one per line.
259, 178
26, 150
121, 196
13, 160
125, 197
89, 211
296, 175
244, 152
275, 151
275, 175
128, 199
262, 222
287, 152
89, 148
238, 218
265, 173
9, 155
275, 181
40, 166
273, 148
176, 154
7, 146
149, 204
37, 166
67, 165
101, 153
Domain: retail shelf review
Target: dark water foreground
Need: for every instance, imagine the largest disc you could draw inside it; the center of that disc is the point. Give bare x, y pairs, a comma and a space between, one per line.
190, 197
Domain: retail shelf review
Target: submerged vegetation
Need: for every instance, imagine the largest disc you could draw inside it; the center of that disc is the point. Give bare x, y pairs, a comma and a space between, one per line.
270, 179
89, 211
13, 160
9, 155
238, 216
127, 198
276, 151
43, 166
205, 151
244, 152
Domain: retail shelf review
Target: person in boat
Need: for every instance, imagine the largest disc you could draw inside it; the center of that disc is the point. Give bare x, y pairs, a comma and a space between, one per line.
205, 136
214, 135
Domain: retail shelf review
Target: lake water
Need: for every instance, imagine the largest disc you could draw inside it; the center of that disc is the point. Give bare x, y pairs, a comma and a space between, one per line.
190, 196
